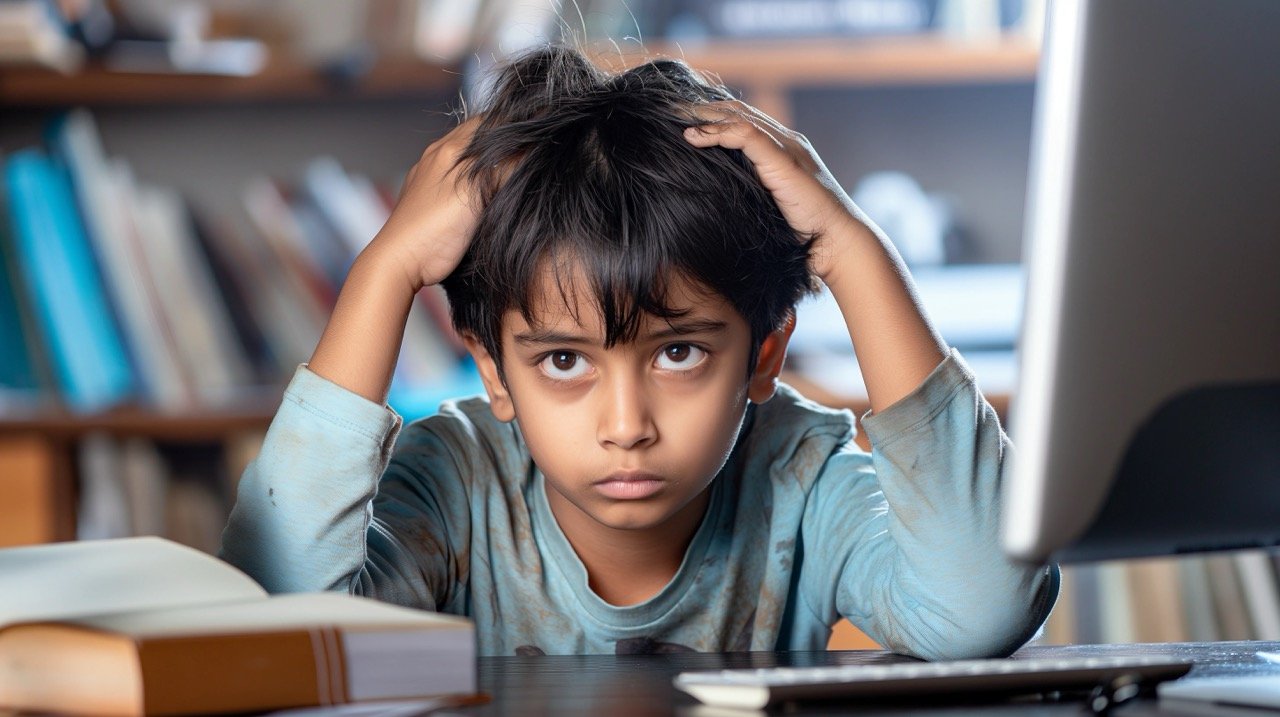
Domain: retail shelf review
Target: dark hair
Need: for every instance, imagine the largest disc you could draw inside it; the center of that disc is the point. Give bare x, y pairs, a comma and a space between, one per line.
577, 167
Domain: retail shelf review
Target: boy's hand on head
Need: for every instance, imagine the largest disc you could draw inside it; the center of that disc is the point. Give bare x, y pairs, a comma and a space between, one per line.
896, 345
422, 242
809, 197
436, 214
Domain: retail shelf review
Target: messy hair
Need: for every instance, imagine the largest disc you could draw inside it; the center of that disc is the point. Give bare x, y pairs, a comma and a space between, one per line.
581, 169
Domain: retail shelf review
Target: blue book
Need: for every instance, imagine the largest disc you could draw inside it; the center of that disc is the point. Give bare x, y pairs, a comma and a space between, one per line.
90, 364
18, 372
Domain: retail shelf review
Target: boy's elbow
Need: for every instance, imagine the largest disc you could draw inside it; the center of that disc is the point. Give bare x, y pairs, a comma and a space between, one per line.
974, 637
990, 626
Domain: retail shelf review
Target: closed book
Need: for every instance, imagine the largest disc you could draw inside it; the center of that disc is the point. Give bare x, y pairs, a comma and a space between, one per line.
143, 626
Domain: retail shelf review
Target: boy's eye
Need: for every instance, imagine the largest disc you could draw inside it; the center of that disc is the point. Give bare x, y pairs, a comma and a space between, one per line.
564, 365
680, 357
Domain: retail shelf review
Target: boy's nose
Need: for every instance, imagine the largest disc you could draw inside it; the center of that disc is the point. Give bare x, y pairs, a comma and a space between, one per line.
625, 418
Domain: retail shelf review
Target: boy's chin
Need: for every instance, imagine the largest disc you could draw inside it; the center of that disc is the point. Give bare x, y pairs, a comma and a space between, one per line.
633, 515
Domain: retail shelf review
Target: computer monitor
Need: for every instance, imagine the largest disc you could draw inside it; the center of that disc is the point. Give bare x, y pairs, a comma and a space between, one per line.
1146, 420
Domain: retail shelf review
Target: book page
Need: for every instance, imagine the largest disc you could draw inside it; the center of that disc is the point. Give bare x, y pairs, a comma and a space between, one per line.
74, 579
296, 611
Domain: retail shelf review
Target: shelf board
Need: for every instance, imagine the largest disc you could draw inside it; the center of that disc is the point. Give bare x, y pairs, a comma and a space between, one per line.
214, 424
282, 81
844, 62
757, 67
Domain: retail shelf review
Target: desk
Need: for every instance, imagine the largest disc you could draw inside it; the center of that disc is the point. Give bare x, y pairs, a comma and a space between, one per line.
640, 685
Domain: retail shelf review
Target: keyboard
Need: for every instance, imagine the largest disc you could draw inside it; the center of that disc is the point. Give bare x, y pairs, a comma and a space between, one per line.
760, 688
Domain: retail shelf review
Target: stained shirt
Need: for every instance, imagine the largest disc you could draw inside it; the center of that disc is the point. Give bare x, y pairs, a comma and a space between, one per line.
802, 527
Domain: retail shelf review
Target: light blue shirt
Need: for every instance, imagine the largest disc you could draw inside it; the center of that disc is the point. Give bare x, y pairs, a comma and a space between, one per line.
802, 527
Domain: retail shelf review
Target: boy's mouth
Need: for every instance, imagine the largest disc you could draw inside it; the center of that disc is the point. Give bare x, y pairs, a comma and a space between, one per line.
629, 485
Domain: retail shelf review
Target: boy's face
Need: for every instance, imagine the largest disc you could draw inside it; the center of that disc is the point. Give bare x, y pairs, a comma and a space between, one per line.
629, 436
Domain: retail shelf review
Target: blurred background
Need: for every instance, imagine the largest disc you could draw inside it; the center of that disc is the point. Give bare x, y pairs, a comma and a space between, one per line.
186, 183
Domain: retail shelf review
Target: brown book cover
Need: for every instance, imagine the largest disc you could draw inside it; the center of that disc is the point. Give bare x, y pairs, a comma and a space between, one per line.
214, 643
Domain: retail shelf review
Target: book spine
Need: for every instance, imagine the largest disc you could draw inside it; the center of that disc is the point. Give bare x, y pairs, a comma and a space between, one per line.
237, 673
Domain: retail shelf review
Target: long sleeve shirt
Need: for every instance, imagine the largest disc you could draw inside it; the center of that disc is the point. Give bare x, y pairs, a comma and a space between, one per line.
802, 527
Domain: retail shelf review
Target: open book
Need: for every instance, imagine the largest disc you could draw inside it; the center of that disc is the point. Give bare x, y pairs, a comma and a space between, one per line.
143, 627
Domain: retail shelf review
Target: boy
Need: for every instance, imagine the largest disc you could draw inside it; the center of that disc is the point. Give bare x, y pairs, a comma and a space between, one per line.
622, 255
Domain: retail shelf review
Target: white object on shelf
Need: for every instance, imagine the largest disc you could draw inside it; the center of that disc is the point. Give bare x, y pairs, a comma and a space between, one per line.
916, 222
996, 371
977, 306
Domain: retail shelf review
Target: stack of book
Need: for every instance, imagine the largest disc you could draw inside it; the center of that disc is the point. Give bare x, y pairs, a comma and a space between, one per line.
116, 292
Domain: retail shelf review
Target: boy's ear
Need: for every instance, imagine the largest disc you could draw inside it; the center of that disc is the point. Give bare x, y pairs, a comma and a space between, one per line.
499, 398
773, 352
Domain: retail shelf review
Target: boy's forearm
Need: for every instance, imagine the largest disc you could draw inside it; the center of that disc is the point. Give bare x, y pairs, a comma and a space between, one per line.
896, 346
361, 342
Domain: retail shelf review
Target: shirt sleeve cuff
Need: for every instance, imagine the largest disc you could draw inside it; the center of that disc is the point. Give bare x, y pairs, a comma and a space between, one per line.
336, 405
922, 404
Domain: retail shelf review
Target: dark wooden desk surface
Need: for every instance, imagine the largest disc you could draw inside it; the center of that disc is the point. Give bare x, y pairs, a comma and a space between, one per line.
640, 685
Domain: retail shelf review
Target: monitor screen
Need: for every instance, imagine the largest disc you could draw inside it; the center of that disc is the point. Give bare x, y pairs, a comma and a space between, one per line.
1146, 420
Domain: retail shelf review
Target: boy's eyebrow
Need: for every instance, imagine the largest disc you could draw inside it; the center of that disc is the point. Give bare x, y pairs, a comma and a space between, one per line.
676, 328
693, 326
550, 337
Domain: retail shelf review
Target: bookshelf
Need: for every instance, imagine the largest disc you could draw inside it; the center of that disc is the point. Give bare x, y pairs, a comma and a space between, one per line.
797, 81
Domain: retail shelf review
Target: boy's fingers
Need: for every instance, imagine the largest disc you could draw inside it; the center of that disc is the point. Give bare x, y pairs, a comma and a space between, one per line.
730, 116
733, 135
738, 108
765, 152
759, 115
760, 146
